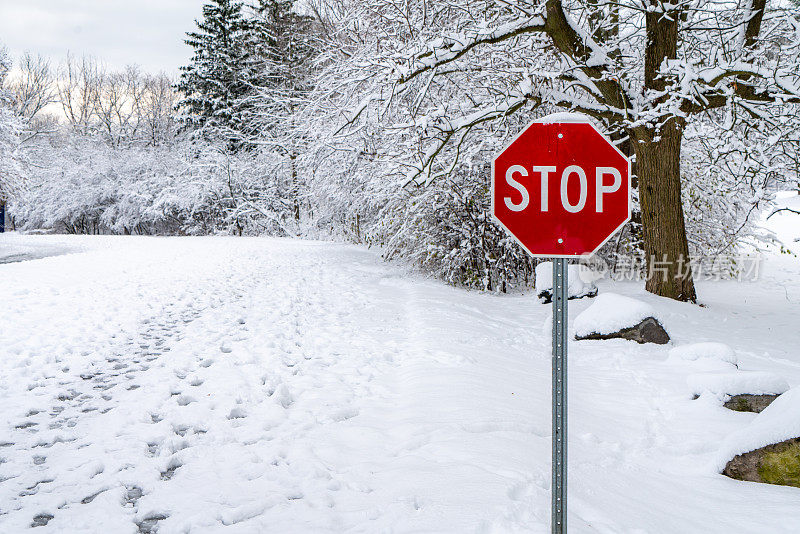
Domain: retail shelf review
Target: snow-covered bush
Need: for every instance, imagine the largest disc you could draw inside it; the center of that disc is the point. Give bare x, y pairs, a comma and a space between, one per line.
83, 186
12, 172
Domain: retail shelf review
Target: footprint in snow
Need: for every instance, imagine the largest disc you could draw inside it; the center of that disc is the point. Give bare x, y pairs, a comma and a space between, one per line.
90, 498
283, 396
184, 400
237, 413
132, 495
149, 524
41, 520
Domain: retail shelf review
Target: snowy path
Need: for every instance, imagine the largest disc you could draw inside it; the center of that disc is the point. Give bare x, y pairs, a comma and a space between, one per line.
261, 385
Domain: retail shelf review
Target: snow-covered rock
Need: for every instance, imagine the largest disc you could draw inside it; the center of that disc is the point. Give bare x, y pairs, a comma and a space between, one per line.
779, 422
611, 312
736, 383
613, 315
704, 351
581, 283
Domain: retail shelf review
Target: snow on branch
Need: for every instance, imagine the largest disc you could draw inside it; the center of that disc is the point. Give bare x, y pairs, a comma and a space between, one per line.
780, 77
598, 71
462, 126
587, 54
449, 48
702, 89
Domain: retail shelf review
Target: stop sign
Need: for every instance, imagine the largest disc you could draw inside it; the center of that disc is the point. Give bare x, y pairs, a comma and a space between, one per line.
561, 188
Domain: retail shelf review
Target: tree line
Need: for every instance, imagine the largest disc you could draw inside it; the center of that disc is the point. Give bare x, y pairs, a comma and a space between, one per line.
375, 121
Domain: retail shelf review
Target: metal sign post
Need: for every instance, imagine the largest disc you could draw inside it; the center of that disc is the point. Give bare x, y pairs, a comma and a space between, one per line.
559, 483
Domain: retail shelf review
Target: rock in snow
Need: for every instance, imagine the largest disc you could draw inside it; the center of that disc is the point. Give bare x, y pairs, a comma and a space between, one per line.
748, 402
616, 316
774, 464
777, 424
580, 282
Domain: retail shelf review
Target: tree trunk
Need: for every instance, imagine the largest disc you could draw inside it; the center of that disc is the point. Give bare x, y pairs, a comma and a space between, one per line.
658, 165
658, 156
295, 186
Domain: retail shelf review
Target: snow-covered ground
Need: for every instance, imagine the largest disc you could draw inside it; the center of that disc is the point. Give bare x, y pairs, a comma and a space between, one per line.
267, 385
15, 248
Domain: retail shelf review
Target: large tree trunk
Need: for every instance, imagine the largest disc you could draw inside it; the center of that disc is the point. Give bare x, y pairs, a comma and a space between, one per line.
658, 165
658, 157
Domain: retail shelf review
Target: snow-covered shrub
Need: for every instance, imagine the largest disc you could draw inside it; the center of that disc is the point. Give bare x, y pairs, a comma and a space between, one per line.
12, 172
729, 173
86, 186
448, 230
244, 193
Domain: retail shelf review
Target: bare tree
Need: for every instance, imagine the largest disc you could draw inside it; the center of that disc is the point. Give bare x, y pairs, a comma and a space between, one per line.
156, 107
12, 174
33, 87
118, 103
78, 89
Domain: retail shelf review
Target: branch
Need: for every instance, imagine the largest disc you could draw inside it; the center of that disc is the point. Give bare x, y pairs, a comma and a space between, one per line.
448, 52
465, 125
356, 114
784, 91
790, 210
507, 108
744, 71
590, 57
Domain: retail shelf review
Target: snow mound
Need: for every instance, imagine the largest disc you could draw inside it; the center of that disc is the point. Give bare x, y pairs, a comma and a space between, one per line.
736, 383
610, 313
566, 116
701, 351
579, 278
778, 422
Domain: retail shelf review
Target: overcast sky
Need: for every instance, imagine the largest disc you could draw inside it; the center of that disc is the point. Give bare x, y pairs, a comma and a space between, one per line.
118, 32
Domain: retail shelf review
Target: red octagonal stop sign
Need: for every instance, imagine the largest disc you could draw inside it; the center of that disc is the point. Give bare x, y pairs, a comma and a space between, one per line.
561, 188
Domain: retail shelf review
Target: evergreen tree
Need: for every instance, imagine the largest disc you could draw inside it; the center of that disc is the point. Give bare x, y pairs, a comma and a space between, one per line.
217, 82
283, 40
288, 37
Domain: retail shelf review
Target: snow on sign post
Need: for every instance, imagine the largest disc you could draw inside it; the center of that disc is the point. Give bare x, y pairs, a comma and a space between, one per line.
561, 189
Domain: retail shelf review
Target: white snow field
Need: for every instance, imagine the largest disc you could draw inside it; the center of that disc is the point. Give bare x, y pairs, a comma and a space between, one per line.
261, 385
